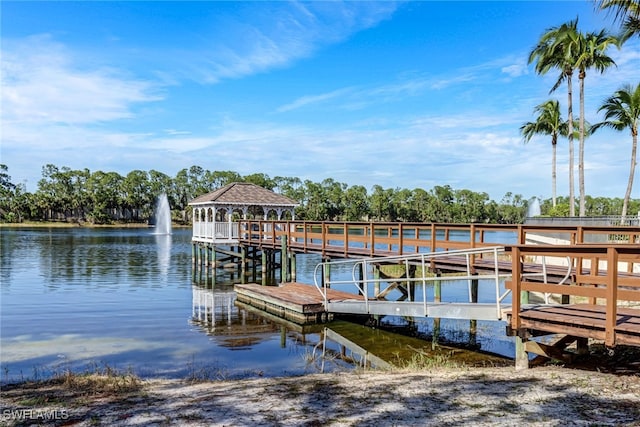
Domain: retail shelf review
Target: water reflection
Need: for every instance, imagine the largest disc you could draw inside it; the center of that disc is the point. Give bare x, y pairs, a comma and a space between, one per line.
125, 298
163, 242
339, 344
234, 325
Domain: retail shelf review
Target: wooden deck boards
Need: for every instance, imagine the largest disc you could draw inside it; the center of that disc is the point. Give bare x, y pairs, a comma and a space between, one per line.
586, 320
294, 301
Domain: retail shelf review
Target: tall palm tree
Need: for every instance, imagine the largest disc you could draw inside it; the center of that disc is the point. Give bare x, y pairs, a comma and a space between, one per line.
627, 11
591, 55
622, 111
548, 122
557, 49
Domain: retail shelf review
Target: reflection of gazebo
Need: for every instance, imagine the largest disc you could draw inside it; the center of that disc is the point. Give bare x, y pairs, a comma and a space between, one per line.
213, 213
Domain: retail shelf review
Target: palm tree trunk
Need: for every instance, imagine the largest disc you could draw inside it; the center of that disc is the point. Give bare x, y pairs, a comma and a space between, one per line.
627, 196
582, 75
572, 202
553, 169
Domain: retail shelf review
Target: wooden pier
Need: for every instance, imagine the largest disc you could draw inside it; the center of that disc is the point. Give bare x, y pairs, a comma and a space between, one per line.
595, 271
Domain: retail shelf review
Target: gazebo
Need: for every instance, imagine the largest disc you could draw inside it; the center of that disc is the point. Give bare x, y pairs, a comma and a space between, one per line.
214, 213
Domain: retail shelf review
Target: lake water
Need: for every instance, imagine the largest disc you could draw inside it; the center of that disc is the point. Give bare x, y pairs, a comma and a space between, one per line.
86, 299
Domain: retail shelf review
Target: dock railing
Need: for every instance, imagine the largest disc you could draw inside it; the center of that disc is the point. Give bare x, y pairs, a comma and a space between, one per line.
364, 279
380, 239
602, 275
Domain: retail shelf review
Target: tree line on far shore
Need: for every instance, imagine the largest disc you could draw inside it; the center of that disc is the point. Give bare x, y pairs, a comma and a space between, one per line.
64, 194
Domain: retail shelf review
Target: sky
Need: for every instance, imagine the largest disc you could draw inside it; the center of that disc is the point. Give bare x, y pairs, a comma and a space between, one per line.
401, 95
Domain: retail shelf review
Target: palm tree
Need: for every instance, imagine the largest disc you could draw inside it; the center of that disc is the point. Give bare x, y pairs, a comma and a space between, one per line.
591, 54
548, 122
627, 11
557, 49
622, 111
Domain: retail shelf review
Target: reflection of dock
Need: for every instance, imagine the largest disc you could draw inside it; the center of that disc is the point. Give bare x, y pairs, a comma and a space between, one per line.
366, 358
384, 349
236, 325
213, 307
215, 313
282, 323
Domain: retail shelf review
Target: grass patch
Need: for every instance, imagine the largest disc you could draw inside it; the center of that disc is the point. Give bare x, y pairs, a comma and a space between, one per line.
100, 382
423, 361
67, 388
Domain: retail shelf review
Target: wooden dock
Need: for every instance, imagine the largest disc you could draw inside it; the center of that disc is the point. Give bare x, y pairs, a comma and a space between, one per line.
292, 301
583, 320
594, 271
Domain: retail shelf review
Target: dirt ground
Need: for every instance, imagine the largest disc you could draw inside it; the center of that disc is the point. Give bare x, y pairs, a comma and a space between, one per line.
495, 396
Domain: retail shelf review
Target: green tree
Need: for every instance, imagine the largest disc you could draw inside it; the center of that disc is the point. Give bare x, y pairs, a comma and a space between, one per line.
381, 203
260, 179
105, 190
219, 179
5, 179
591, 54
137, 195
402, 206
6, 190
548, 122
558, 49
315, 205
470, 206
356, 203
12, 197
442, 207
626, 11
334, 196
289, 186
421, 201
512, 209
622, 111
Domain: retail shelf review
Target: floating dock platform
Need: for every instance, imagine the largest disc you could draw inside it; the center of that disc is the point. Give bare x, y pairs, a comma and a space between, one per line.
293, 301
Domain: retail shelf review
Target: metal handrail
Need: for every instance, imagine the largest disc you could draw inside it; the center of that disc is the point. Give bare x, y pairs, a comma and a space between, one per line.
323, 283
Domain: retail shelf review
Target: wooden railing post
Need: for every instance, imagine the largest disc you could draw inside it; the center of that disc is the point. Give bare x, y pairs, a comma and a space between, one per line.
433, 237
323, 227
372, 239
345, 240
516, 277
612, 297
472, 242
521, 235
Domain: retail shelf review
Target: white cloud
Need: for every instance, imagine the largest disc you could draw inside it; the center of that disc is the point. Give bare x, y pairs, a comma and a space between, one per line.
291, 32
313, 99
42, 83
516, 70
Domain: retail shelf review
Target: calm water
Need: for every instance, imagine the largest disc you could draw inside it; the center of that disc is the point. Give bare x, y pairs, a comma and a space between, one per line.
76, 298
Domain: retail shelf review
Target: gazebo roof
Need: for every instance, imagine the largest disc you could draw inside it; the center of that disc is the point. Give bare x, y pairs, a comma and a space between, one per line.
244, 194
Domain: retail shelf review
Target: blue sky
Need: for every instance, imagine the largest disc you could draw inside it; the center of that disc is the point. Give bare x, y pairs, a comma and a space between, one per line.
403, 95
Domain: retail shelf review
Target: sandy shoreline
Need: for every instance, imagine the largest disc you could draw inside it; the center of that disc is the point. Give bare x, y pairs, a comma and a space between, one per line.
544, 396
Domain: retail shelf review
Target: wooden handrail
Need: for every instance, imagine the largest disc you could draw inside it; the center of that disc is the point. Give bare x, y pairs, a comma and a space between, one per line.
603, 282
383, 239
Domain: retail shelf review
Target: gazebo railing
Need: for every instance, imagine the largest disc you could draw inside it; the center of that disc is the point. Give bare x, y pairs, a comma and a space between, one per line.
216, 230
